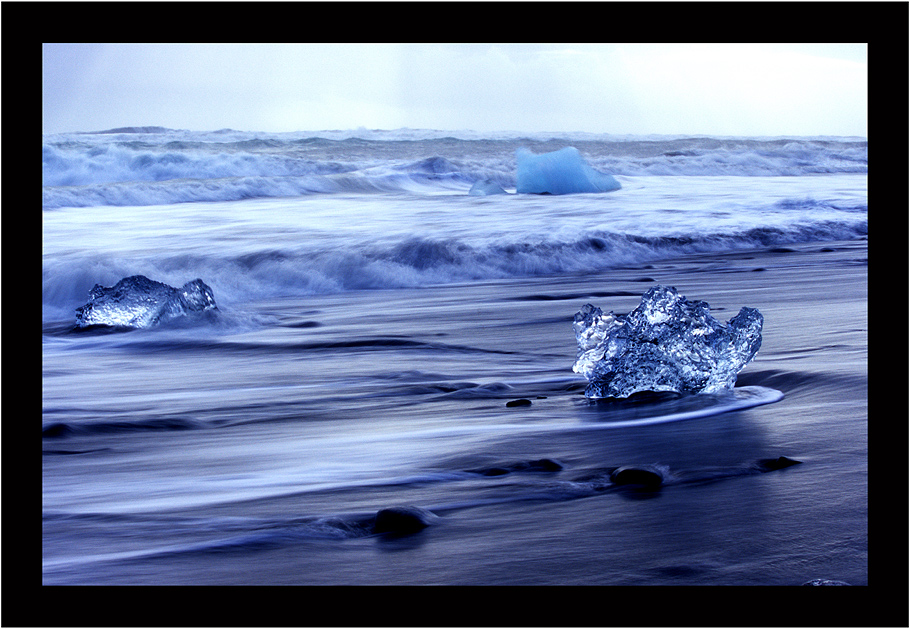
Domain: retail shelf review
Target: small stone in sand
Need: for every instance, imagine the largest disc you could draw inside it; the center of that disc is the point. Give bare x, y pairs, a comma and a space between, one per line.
403, 520
521, 402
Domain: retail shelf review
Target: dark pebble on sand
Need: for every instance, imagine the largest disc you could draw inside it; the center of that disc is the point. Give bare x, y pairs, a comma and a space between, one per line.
537, 465
304, 324
521, 402
402, 520
781, 462
56, 430
645, 477
544, 465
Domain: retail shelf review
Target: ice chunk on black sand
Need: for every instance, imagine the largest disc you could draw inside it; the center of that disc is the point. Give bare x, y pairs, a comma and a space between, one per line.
138, 302
667, 343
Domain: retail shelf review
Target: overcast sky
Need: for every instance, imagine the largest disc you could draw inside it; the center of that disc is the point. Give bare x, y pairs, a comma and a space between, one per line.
718, 89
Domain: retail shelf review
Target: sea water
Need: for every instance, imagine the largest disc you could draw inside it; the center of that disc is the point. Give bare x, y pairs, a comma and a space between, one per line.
374, 318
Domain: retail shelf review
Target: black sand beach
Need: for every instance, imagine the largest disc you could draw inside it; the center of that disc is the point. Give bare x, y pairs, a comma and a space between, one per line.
432, 420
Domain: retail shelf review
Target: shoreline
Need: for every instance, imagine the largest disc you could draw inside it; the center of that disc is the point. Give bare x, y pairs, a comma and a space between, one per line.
432, 369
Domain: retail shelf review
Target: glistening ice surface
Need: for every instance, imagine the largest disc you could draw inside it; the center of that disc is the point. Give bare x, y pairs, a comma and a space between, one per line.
138, 302
667, 343
560, 172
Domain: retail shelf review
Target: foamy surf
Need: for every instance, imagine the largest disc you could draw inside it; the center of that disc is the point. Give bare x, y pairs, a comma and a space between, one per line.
136, 167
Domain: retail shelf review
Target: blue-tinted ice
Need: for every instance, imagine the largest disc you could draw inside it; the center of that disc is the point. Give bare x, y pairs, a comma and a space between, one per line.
667, 343
138, 302
561, 172
485, 187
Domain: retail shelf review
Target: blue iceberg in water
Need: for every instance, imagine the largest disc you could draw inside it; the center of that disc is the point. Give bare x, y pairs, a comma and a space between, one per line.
667, 343
560, 172
486, 187
138, 302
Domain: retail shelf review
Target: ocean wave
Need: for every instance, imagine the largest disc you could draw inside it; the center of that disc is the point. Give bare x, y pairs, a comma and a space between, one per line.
238, 188
137, 166
412, 262
81, 165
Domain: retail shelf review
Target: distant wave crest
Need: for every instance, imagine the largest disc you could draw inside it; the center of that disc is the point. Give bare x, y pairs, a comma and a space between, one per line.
150, 165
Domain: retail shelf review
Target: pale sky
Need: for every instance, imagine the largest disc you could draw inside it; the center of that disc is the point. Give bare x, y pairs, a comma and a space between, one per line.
686, 89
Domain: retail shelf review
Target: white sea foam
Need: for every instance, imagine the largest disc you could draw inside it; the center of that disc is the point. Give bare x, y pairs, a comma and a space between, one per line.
273, 215
138, 167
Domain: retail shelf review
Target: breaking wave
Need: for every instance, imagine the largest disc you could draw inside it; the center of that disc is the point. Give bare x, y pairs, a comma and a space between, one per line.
413, 262
151, 165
